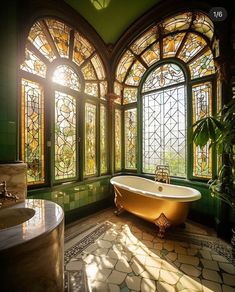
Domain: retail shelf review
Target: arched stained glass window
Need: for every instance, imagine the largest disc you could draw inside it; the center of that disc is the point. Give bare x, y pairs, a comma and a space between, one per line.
62, 75
167, 77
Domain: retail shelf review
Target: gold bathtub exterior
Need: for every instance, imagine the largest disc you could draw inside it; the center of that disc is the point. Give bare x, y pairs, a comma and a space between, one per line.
163, 213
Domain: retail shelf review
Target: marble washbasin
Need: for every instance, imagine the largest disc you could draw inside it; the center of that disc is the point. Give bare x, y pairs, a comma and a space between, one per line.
13, 217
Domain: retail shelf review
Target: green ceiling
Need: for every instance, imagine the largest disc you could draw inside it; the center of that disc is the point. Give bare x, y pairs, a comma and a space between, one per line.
112, 21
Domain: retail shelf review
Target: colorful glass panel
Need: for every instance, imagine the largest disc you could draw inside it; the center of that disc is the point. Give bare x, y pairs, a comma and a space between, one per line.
164, 130
39, 40
118, 140
91, 88
82, 49
129, 95
90, 139
204, 25
97, 63
65, 136
103, 89
33, 64
176, 23
65, 75
164, 75
60, 34
88, 72
123, 66
152, 55
118, 91
201, 99
135, 74
32, 120
171, 44
203, 65
103, 139
130, 121
145, 40
193, 44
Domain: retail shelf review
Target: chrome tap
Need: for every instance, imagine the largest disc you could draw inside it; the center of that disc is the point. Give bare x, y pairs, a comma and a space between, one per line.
162, 174
5, 195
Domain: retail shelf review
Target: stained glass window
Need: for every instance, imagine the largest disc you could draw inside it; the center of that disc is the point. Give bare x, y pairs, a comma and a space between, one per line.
152, 55
33, 64
171, 44
177, 22
82, 49
91, 88
103, 139
124, 65
66, 76
32, 120
135, 74
88, 72
129, 95
90, 139
203, 66
203, 25
98, 67
118, 140
103, 89
201, 95
130, 122
65, 136
118, 91
165, 75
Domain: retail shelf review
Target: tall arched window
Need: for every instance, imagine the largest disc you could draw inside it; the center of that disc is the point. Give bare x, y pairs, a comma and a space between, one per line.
166, 81
63, 105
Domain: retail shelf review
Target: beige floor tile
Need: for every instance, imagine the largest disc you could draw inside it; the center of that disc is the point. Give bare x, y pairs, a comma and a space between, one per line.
123, 266
169, 246
228, 279
106, 262
172, 256
101, 251
185, 259
164, 287
228, 268
113, 288
168, 277
137, 267
104, 243
192, 251
209, 286
116, 277
147, 285
190, 270
154, 262
180, 249
133, 282
169, 266
228, 288
206, 254
219, 258
151, 273
191, 283
211, 275
210, 264
74, 266
99, 286
148, 236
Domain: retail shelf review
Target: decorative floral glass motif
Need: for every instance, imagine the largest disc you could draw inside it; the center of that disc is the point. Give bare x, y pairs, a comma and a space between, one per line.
65, 136
202, 66
118, 140
124, 65
88, 72
103, 89
171, 44
118, 91
193, 44
90, 139
60, 34
135, 74
130, 122
33, 64
39, 40
32, 120
203, 25
82, 49
103, 139
91, 88
152, 55
201, 96
165, 75
98, 67
65, 75
129, 95
176, 23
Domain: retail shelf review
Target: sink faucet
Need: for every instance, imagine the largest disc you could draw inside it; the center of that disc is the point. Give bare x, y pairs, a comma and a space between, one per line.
162, 173
5, 195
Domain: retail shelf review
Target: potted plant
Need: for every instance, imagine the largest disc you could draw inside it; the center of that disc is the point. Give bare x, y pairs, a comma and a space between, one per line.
219, 130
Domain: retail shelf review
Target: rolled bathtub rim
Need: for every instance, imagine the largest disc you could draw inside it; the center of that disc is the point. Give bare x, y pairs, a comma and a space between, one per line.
196, 195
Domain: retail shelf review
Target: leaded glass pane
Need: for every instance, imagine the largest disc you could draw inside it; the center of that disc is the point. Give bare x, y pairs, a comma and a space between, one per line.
129, 95
202, 66
103, 89
118, 91
124, 65
90, 139
97, 63
39, 40
32, 120
91, 88
201, 98
193, 44
135, 74
164, 75
171, 44
152, 55
177, 22
130, 138
33, 64
164, 130
65, 136
118, 140
145, 40
65, 75
204, 25
60, 34
103, 139
88, 72
82, 49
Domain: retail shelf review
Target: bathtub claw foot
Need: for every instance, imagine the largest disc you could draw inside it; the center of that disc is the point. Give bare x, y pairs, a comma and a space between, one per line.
163, 223
119, 210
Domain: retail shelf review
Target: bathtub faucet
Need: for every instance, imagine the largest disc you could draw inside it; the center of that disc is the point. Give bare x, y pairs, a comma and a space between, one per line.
162, 174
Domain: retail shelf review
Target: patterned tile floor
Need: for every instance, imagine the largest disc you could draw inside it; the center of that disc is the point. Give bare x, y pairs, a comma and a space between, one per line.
109, 253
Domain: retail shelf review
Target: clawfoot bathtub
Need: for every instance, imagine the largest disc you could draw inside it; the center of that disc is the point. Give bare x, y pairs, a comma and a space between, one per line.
163, 204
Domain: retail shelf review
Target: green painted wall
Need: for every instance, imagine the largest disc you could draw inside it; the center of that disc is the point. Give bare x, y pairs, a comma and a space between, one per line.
112, 21
8, 82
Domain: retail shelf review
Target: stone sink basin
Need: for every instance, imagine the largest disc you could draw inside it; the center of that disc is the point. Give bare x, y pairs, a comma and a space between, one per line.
13, 217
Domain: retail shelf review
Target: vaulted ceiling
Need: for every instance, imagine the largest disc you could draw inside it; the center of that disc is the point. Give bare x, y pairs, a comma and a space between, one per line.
110, 18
